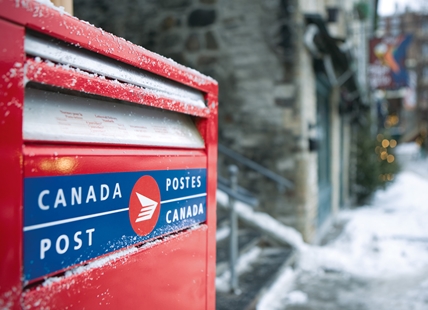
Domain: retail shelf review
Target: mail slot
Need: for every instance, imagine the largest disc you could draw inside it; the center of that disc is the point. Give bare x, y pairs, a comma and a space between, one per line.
109, 170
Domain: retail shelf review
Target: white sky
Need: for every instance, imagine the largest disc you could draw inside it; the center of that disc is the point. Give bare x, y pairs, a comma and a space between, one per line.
387, 7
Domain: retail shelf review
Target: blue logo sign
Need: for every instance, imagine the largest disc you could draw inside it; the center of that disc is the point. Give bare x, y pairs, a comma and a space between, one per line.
71, 219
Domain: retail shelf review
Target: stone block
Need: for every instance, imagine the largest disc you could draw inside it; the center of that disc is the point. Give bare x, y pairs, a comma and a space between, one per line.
211, 41
285, 91
284, 102
206, 60
170, 41
174, 4
201, 18
192, 43
168, 23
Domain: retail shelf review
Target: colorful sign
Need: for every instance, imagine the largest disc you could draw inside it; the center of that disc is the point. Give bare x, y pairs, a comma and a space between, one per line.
387, 62
71, 219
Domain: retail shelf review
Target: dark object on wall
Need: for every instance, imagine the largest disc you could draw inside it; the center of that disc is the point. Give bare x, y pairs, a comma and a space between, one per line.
313, 145
326, 51
201, 18
332, 14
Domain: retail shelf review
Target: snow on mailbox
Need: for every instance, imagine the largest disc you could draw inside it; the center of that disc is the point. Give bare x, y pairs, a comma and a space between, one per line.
109, 169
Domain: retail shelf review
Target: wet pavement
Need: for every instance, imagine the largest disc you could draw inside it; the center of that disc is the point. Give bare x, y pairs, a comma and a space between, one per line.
251, 282
332, 290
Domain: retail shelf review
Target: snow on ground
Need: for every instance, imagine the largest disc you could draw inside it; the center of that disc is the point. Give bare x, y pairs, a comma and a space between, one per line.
411, 149
383, 246
270, 299
222, 283
386, 238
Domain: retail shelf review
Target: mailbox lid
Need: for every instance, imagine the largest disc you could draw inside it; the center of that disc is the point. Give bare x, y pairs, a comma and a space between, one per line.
58, 117
45, 19
81, 203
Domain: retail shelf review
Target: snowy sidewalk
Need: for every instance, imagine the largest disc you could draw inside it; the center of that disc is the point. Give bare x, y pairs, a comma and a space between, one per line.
379, 261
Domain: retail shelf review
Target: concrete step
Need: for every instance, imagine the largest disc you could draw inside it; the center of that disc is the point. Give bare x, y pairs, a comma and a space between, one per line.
257, 269
258, 263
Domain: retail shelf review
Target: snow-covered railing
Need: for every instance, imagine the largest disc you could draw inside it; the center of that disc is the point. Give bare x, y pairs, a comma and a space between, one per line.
237, 199
241, 194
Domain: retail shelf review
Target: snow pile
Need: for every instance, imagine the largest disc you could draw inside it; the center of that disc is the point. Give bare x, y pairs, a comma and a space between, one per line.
388, 238
222, 233
410, 148
270, 226
270, 300
407, 151
297, 298
53, 6
222, 198
419, 167
244, 264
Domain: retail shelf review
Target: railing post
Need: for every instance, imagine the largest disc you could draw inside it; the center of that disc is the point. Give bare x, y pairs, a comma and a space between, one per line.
233, 171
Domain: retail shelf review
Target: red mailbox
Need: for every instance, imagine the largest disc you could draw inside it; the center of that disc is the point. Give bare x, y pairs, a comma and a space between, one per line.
108, 160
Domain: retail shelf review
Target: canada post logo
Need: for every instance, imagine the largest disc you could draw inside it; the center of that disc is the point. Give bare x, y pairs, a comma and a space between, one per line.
144, 205
71, 219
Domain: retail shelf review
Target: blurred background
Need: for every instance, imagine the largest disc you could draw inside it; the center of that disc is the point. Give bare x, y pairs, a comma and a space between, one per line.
320, 103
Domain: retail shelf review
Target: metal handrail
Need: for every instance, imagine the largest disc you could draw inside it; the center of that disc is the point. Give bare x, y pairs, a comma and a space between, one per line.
239, 194
235, 192
281, 181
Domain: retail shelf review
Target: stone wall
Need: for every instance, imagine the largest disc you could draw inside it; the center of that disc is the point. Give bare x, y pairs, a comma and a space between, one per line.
253, 48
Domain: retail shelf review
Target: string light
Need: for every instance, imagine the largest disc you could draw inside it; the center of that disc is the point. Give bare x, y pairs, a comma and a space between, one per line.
394, 120
386, 177
385, 143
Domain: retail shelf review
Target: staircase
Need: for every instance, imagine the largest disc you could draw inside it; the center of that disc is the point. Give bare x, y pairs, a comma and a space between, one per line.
264, 246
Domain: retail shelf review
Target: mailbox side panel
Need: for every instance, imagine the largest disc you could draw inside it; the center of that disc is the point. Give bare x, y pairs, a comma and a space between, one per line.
165, 275
211, 138
11, 100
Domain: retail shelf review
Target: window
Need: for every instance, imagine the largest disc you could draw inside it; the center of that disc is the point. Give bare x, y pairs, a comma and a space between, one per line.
425, 27
425, 49
395, 26
425, 73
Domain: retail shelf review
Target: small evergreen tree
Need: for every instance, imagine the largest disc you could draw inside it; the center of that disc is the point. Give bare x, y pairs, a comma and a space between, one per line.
376, 163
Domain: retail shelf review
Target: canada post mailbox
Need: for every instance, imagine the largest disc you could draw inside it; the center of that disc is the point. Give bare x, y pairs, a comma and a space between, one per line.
108, 165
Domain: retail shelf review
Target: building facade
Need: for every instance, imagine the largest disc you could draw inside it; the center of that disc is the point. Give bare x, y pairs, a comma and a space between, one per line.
289, 88
410, 104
